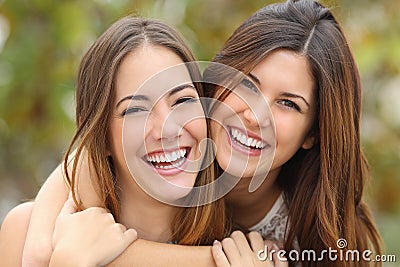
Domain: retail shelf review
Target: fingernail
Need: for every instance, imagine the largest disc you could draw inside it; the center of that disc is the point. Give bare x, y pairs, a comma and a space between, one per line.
217, 243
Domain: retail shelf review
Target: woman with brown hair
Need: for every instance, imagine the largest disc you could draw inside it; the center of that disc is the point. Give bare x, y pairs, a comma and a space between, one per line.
110, 104
297, 57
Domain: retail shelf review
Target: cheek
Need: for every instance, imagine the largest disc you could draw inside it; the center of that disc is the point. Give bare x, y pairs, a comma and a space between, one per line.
115, 137
197, 129
226, 112
290, 129
115, 147
129, 136
235, 103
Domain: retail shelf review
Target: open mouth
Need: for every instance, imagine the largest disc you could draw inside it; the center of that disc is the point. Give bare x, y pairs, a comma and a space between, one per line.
242, 139
168, 160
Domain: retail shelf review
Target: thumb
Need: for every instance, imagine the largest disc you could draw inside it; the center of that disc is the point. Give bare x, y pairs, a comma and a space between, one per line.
69, 206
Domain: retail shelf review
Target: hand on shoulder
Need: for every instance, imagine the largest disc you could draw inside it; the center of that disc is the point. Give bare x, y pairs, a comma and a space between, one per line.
88, 238
237, 250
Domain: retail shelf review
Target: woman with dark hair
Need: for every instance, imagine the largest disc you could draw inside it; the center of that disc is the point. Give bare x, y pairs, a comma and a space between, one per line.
296, 57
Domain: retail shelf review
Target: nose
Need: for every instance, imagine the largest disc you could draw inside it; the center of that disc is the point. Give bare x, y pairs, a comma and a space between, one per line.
259, 115
163, 126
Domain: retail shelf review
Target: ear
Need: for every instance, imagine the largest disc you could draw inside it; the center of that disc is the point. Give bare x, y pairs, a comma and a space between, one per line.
308, 142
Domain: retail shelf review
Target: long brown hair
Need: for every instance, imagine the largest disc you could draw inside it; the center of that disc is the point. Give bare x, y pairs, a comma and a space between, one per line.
95, 93
323, 185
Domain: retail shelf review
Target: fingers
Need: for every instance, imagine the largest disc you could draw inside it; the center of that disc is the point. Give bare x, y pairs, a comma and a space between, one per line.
277, 258
219, 256
273, 255
231, 251
237, 250
234, 251
241, 242
123, 228
256, 241
69, 207
130, 236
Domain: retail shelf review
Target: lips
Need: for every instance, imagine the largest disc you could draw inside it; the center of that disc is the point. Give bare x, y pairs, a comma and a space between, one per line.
243, 139
168, 162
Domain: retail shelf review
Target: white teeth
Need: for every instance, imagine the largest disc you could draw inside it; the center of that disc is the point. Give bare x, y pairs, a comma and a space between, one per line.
249, 142
162, 158
259, 144
172, 156
167, 156
243, 139
254, 142
171, 166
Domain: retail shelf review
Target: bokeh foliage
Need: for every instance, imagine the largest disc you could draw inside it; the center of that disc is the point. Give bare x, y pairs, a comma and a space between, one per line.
42, 41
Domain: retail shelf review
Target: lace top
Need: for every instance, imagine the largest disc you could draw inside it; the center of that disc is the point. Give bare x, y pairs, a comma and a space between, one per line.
272, 226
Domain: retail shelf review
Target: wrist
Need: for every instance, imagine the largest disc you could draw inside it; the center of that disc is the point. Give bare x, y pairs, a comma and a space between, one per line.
64, 257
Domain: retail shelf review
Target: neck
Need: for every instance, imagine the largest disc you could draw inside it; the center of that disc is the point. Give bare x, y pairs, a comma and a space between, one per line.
150, 218
249, 208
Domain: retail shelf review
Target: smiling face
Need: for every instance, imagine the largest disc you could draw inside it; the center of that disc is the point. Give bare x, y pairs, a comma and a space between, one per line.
158, 124
284, 80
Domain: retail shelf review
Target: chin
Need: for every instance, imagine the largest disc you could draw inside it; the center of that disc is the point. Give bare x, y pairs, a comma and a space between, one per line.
171, 194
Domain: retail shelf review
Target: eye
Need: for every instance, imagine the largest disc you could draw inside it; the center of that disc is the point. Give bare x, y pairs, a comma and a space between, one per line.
288, 104
185, 100
249, 85
133, 110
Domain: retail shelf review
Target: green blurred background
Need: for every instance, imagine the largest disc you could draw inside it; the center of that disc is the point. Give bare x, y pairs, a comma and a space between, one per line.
42, 41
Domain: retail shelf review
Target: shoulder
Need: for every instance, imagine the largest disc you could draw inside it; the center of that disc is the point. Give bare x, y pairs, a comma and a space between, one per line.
12, 234
18, 216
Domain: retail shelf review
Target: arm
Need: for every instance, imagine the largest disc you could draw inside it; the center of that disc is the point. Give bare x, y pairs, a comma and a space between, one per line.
13, 233
48, 204
148, 253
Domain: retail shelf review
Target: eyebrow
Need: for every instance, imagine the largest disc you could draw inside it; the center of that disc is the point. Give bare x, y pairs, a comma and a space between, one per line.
180, 88
145, 98
295, 96
254, 78
133, 97
285, 94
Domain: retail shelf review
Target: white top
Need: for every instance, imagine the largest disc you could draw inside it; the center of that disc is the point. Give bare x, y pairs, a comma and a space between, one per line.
272, 226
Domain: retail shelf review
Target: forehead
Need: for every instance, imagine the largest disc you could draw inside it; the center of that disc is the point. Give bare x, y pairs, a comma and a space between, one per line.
286, 70
151, 69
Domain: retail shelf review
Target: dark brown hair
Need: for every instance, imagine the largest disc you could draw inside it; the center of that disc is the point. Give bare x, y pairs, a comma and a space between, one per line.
95, 93
324, 185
